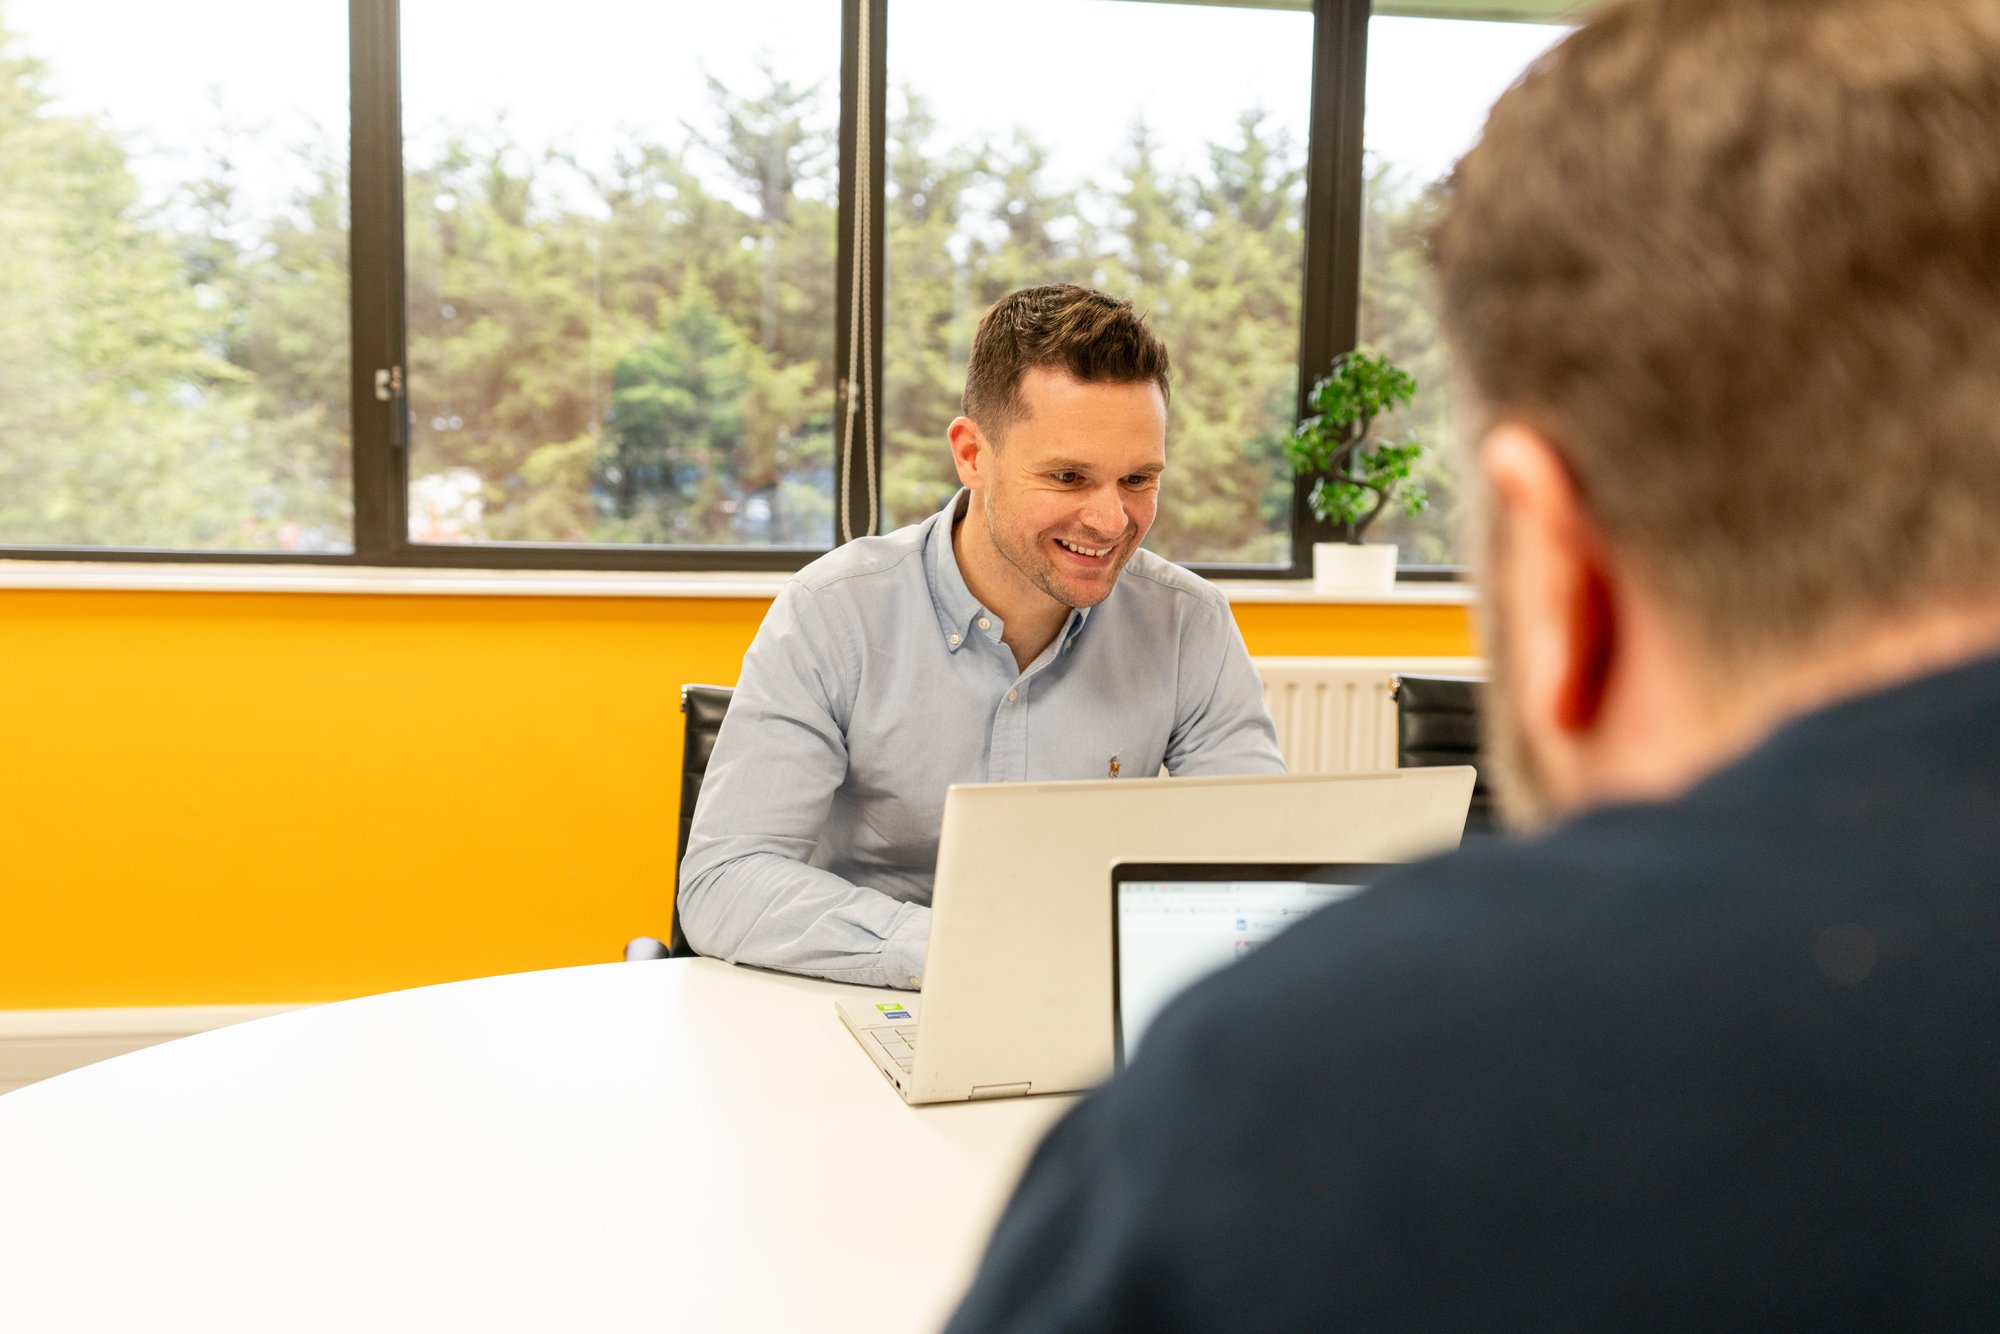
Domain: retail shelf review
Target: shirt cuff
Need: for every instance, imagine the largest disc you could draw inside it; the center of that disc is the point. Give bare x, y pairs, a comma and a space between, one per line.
908, 943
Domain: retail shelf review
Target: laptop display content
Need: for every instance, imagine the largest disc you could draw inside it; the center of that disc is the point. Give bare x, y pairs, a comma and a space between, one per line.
1173, 924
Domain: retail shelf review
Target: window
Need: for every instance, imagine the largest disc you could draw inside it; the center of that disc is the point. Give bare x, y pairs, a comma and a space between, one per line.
681, 286
1431, 82
1183, 190
174, 337
620, 273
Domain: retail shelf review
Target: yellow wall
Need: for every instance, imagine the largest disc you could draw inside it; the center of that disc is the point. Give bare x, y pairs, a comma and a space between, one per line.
220, 798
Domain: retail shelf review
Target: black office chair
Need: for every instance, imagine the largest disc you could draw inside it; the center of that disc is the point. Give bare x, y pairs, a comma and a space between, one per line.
704, 707
1437, 722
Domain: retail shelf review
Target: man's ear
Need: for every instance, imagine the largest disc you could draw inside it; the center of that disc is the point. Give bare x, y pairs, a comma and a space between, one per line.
971, 453
1562, 621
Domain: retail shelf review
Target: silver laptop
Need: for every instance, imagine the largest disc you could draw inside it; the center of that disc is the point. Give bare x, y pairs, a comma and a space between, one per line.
1174, 923
1017, 986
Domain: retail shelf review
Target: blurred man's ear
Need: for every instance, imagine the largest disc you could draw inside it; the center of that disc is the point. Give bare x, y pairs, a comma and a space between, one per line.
971, 453
1552, 582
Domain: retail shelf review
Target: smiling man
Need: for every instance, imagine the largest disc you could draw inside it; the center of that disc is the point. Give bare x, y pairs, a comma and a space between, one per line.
1019, 634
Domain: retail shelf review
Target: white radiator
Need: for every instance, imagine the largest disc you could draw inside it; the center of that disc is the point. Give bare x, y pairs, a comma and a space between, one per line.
1334, 715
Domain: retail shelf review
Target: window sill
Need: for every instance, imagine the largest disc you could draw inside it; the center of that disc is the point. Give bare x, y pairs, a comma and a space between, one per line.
1412, 593
109, 577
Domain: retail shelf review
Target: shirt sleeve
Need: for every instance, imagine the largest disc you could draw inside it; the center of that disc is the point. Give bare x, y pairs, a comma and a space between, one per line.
1221, 725
747, 891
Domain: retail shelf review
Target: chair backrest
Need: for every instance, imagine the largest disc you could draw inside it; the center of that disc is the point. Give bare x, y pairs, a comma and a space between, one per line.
704, 707
1437, 722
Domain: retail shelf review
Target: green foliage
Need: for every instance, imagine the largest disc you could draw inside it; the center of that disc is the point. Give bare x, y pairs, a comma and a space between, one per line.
636, 354
700, 417
1354, 473
127, 413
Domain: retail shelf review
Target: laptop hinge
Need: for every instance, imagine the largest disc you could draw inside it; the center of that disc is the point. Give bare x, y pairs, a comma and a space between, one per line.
1000, 1090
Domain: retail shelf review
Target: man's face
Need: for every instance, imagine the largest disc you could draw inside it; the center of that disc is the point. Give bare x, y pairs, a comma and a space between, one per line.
1073, 485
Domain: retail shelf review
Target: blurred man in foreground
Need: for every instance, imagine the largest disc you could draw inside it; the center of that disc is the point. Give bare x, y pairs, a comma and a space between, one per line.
1720, 1044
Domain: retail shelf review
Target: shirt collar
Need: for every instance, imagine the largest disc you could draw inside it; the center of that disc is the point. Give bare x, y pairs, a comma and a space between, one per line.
956, 607
958, 612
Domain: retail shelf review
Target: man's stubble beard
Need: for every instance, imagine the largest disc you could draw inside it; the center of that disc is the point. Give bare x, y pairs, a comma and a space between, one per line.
1519, 783
1039, 569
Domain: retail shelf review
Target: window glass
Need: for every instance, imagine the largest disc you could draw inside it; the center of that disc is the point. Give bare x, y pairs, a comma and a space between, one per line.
620, 241
174, 340
1430, 84
1156, 151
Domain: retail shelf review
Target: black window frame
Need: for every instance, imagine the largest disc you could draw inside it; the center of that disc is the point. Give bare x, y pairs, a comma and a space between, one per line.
1329, 310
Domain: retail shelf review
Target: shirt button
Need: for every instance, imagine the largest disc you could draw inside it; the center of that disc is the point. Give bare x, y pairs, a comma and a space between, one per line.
954, 641
985, 624
1011, 694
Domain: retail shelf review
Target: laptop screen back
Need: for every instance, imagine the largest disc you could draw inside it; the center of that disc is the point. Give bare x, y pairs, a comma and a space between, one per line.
1173, 924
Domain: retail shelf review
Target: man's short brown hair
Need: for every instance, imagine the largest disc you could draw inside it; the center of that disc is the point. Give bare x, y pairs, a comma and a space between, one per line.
1086, 334
1740, 261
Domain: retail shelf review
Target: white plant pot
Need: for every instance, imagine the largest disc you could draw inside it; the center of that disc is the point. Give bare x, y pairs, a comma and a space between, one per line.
1347, 567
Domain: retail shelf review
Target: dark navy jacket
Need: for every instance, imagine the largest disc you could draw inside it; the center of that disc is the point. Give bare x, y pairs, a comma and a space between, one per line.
1727, 1061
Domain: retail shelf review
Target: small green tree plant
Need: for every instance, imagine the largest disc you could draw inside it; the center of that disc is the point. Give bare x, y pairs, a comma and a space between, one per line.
1353, 473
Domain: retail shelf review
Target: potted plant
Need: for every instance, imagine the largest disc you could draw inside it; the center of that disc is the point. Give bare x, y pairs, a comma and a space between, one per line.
1354, 474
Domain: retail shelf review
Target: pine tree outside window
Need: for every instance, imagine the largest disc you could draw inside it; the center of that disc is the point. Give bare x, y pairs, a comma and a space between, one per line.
174, 333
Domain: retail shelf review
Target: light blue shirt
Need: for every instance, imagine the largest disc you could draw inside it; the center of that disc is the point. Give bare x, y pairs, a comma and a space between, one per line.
876, 682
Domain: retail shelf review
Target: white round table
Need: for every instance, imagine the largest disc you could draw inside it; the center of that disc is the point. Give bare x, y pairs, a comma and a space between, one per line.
679, 1144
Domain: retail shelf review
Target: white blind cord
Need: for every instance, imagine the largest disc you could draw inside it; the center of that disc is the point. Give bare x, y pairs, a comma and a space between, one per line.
860, 336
